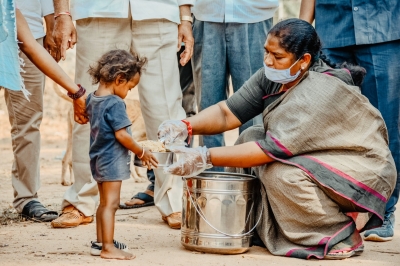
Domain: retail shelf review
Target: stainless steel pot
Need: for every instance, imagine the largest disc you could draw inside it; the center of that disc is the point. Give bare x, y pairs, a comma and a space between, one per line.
218, 212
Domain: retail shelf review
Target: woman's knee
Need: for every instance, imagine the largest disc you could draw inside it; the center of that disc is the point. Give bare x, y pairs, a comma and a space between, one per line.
278, 176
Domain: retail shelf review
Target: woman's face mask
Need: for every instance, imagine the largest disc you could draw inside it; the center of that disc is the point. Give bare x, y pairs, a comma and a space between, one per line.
282, 76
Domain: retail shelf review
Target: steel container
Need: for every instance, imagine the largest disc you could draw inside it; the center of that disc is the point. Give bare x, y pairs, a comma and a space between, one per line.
218, 212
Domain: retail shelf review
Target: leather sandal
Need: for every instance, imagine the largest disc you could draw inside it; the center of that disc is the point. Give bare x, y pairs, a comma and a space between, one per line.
71, 217
35, 211
148, 201
174, 220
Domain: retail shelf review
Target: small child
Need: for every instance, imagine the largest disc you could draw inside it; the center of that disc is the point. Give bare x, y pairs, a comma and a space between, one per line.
117, 72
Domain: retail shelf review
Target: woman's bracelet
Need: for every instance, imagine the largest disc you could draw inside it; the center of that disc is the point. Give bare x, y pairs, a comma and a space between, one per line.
189, 129
141, 156
78, 94
62, 13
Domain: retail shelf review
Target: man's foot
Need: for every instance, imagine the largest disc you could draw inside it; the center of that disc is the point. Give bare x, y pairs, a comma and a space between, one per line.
141, 199
383, 233
35, 211
96, 247
174, 220
115, 253
71, 217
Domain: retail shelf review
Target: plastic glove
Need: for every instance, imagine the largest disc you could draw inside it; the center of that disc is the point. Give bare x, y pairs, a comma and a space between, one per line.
172, 133
191, 161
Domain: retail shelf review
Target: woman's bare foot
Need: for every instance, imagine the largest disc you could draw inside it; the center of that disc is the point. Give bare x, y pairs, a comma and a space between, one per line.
115, 253
133, 202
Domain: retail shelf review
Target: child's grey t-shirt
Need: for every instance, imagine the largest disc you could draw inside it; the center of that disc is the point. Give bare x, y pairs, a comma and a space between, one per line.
109, 160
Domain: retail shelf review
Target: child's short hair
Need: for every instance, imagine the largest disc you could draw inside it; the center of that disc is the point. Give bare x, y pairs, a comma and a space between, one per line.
115, 63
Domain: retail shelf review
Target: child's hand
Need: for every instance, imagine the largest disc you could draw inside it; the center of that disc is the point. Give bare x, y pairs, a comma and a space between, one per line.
148, 159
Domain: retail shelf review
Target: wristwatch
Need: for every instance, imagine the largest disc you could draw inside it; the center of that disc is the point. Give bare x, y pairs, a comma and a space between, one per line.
187, 18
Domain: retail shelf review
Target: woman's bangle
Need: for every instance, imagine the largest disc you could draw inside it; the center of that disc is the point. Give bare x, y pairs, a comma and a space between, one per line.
189, 129
141, 156
78, 94
62, 13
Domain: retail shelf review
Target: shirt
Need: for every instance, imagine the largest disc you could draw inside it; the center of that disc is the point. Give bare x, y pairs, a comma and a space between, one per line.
10, 63
109, 159
341, 23
140, 9
241, 11
34, 11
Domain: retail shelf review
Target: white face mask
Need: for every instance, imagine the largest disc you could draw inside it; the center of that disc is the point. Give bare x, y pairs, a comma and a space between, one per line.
282, 76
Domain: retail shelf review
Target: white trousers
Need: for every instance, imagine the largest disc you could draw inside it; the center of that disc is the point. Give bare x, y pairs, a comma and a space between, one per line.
159, 92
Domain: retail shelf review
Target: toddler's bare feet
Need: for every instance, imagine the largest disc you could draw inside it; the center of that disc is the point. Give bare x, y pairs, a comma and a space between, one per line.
115, 253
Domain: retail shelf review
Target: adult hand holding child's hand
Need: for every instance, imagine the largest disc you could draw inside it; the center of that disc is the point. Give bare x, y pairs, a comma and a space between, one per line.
80, 115
191, 161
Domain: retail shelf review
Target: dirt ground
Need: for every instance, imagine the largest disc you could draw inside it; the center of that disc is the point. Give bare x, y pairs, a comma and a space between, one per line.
149, 238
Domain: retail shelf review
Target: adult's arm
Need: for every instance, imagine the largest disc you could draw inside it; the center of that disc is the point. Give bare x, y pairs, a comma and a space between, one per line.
242, 106
307, 10
220, 118
193, 161
214, 120
43, 61
244, 155
64, 32
185, 35
217, 119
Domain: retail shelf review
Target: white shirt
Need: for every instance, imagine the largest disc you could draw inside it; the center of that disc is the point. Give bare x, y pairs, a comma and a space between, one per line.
34, 11
140, 9
240, 11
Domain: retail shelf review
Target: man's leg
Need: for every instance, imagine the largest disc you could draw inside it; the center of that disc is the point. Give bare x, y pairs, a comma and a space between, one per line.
25, 119
381, 86
96, 37
210, 72
245, 54
160, 96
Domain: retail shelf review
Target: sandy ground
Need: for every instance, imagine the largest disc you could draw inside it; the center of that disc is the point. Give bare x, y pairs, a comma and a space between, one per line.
149, 238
